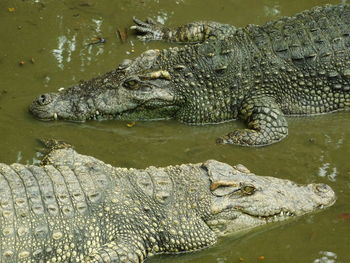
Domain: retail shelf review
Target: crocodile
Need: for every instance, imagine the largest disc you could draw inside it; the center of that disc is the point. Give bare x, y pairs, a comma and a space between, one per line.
76, 208
292, 66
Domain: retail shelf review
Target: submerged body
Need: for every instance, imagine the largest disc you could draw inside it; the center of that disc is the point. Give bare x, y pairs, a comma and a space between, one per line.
292, 66
75, 208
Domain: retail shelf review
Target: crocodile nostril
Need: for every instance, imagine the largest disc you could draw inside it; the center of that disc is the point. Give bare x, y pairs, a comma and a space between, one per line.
44, 99
322, 188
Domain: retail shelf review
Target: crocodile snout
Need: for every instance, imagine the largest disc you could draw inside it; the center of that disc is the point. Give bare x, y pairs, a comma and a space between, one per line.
42, 106
323, 188
325, 193
43, 99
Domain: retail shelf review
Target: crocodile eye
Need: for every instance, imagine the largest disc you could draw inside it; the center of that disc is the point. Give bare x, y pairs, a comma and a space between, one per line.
131, 84
248, 189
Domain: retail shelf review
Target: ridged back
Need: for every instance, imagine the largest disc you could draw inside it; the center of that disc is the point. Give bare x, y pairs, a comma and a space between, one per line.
317, 35
43, 208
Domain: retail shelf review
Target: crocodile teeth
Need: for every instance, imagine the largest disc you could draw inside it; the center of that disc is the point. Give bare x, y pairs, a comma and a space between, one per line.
55, 116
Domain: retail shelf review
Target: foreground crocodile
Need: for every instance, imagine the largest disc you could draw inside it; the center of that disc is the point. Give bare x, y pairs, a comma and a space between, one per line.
291, 66
75, 208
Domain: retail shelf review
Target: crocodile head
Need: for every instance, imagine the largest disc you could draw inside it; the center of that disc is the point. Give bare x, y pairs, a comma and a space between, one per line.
171, 83
242, 200
135, 90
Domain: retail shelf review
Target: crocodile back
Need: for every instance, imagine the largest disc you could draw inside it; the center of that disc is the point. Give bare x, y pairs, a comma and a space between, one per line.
45, 211
317, 35
304, 60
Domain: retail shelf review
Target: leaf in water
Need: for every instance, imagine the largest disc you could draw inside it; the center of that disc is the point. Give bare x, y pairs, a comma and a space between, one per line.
11, 9
345, 216
131, 124
21, 63
97, 40
122, 34
261, 257
86, 4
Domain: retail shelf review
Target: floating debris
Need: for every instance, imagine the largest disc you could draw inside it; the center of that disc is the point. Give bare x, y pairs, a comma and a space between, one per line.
131, 124
97, 40
86, 4
122, 34
345, 216
11, 9
312, 140
2, 93
23, 62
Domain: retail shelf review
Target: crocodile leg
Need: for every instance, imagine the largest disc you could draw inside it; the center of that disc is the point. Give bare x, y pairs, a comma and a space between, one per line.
124, 250
67, 156
181, 233
192, 32
266, 124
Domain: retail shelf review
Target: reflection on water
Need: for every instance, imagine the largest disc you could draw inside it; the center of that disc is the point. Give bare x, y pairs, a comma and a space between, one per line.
67, 44
327, 171
335, 142
162, 17
272, 9
98, 23
36, 159
326, 257
64, 50
19, 157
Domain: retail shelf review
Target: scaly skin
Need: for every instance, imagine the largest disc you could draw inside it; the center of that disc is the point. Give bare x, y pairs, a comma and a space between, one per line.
75, 208
260, 74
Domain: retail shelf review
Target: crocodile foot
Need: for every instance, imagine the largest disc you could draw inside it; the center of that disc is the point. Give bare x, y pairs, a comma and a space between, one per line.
149, 30
51, 145
249, 137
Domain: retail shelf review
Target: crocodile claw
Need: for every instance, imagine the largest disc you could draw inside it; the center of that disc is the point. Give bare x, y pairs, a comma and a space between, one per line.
52, 144
148, 30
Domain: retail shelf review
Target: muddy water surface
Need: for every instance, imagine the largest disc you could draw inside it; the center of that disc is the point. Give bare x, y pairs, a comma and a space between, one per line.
50, 39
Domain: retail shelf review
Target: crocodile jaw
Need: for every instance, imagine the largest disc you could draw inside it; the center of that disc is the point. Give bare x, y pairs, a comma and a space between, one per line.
132, 86
106, 103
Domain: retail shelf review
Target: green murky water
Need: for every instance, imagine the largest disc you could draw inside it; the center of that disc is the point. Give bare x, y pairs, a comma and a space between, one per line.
51, 38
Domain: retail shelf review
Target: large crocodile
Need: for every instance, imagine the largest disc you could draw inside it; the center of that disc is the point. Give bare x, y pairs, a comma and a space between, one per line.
296, 65
75, 208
